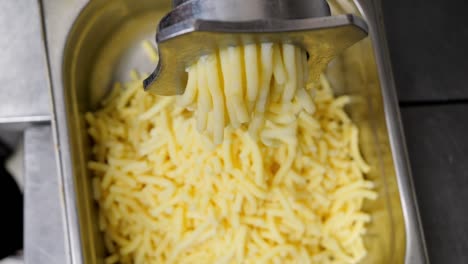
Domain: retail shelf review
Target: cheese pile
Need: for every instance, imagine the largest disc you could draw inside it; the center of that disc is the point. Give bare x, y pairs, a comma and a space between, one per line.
167, 195
244, 85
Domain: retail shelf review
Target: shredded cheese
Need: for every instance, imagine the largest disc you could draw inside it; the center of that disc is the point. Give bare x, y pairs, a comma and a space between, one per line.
289, 190
240, 86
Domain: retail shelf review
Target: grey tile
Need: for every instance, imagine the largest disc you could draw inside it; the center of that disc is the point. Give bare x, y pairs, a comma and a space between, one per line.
24, 83
428, 42
437, 140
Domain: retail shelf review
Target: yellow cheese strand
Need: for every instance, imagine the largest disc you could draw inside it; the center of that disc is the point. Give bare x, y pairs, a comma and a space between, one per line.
244, 82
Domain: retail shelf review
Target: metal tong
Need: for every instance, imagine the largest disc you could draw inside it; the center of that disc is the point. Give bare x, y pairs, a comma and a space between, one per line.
199, 27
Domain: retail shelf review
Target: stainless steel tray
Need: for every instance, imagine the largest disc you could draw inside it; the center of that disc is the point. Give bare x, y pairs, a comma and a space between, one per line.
90, 45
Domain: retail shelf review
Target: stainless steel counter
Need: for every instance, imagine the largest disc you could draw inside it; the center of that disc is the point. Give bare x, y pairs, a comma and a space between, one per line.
43, 226
25, 106
23, 77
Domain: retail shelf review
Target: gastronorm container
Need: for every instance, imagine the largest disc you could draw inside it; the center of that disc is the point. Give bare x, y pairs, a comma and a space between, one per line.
91, 44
